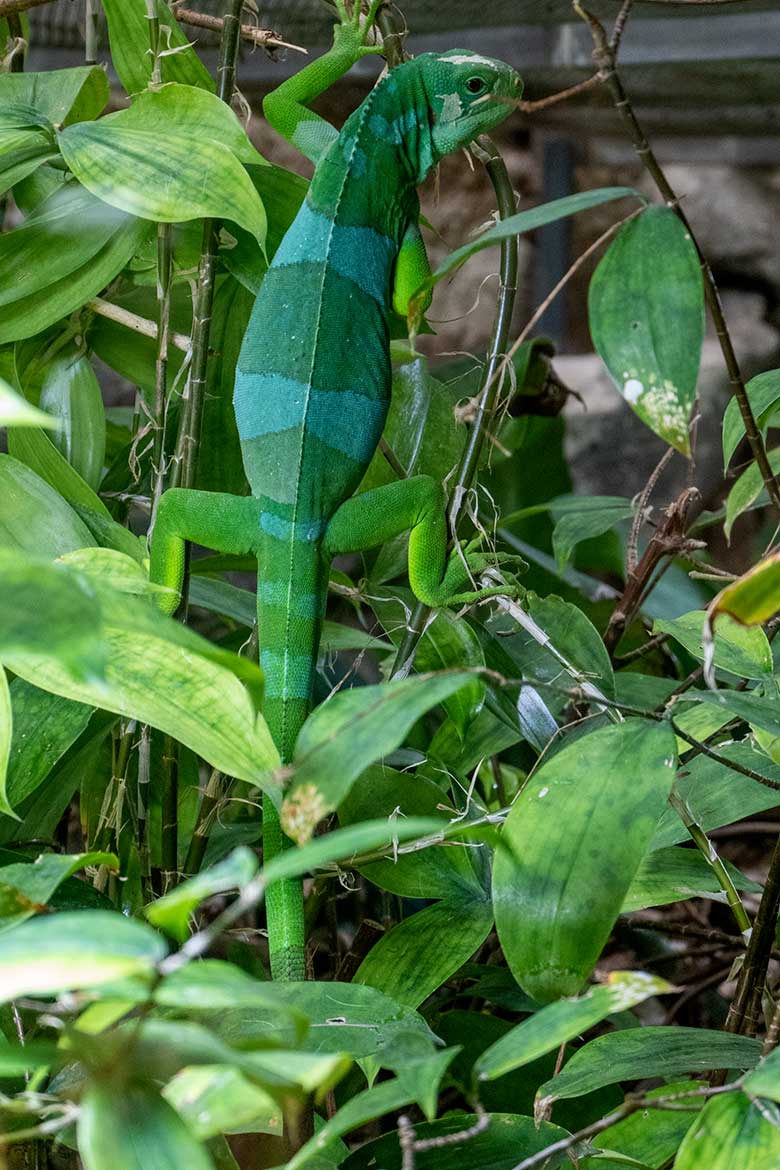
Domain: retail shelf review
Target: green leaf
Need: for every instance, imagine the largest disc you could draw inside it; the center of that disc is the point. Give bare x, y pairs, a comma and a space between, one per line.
572, 842
579, 518
731, 1133
575, 637
75, 950
642, 1053
16, 411
26, 141
524, 221
109, 650
18, 1059
26, 887
70, 248
673, 875
33, 446
220, 467
349, 732
754, 597
650, 1136
185, 110
553, 1025
764, 1080
171, 913
362, 1108
740, 650
746, 489
757, 710
131, 1127
506, 1142
281, 193
414, 958
6, 736
162, 176
437, 872
63, 96
646, 310
128, 35
763, 393
34, 518
216, 1099
70, 392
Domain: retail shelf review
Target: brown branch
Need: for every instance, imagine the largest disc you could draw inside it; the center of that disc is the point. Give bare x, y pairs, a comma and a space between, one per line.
265, 37
560, 96
745, 1011
605, 57
12, 7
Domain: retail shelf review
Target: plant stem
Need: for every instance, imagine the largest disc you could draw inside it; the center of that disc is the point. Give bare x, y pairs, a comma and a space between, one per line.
91, 19
256, 36
745, 1011
214, 792
710, 855
188, 438
138, 324
489, 155
16, 30
13, 7
164, 271
605, 56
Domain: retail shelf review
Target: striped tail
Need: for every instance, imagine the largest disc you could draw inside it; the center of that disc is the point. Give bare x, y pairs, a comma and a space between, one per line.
291, 597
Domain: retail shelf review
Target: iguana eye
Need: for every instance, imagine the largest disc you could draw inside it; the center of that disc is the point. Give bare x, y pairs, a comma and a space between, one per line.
475, 85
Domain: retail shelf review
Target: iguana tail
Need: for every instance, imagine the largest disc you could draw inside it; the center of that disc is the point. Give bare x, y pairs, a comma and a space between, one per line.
291, 596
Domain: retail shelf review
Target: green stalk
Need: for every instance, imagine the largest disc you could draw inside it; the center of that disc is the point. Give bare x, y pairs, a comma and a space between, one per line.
489, 155
91, 18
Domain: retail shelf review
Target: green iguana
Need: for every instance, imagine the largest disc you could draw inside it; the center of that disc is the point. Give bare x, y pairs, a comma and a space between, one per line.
312, 385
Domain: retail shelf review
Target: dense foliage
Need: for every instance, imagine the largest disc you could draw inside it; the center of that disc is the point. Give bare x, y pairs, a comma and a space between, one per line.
502, 790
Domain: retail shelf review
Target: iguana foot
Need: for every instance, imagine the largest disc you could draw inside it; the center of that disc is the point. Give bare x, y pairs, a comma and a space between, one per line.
353, 28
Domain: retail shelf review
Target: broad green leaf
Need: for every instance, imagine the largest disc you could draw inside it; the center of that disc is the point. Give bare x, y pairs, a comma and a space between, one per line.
33, 446
281, 193
437, 872
69, 249
555, 895
515, 225
507, 1141
740, 650
579, 518
346, 845
107, 649
111, 567
131, 1127
184, 110
6, 737
757, 710
61, 95
16, 411
220, 467
575, 637
746, 489
45, 726
553, 1025
171, 913
754, 597
215, 986
162, 176
650, 1136
646, 310
763, 393
449, 643
26, 887
764, 1080
79, 949
717, 795
641, 1053
349, 732
50, 614
414, 958
673, 875
70, 392
17, 1059
26, 142
128, 35
731, 1133
216, 1099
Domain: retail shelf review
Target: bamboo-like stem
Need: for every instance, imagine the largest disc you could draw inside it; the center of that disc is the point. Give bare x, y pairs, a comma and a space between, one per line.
605, 56
745, 1011
710, 854
215, 791
154, 42
91, 25
16, 30
488, 397
265, 37
188, 438
164, 273
169, 815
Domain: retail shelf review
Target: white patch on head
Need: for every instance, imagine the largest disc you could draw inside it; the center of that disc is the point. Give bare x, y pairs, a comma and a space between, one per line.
451, 108
467, 59
633, 390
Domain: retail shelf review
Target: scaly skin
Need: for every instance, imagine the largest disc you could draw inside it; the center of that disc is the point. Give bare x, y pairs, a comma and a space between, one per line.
313, 384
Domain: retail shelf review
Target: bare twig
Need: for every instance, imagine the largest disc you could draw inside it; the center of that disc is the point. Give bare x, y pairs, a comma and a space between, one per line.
639, 516
265, 37
132, 321
561, 96
12, 7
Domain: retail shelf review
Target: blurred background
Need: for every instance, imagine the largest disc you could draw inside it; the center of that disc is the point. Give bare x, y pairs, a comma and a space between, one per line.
705, 81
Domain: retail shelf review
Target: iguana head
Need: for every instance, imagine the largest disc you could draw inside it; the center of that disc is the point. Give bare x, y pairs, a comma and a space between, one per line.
469, 95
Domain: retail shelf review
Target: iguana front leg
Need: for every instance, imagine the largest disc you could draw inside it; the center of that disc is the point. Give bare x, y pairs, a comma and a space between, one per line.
415, 505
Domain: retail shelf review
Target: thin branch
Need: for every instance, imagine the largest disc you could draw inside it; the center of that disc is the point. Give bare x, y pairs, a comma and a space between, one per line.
542, 103
745, 1011
605, 56
132, 321
265, 37
12, 7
